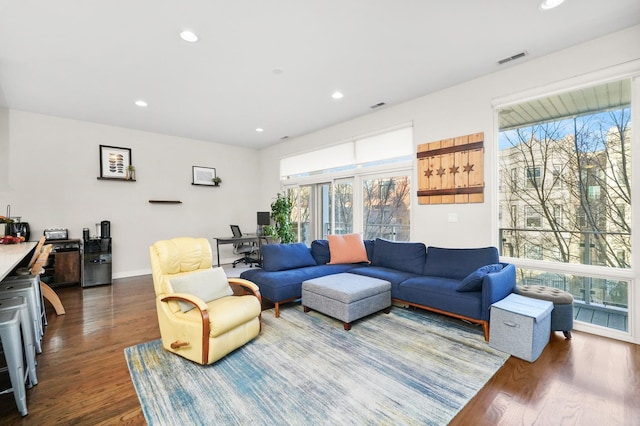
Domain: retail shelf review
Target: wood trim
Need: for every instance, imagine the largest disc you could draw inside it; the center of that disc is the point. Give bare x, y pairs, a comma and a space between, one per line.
204, 314
485, 324
451, 149
277, 304
451, 191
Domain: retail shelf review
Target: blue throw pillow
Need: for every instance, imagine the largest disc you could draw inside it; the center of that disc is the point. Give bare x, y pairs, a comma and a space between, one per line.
403, 256
280, 257
473, 281
320, 251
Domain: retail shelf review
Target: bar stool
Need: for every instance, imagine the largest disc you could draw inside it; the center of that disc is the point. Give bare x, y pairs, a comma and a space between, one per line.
34, 282
26, 290
20, 304
12, 348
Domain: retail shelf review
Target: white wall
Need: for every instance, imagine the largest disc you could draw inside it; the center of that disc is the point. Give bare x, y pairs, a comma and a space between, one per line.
457, 111
53, 164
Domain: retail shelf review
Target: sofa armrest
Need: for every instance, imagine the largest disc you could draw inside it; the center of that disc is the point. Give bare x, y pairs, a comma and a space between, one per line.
496, 286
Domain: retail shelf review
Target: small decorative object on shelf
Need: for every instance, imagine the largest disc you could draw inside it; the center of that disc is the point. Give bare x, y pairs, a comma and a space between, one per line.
216, 181
130, 172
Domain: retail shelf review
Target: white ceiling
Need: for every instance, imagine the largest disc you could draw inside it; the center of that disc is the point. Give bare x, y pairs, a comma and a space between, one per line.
91, 59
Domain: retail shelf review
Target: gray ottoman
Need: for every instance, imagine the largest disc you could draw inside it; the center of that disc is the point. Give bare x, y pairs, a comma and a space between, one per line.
347, 297
562, 314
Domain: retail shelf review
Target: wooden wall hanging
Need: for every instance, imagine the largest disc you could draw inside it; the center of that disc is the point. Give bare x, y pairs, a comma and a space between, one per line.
450, 171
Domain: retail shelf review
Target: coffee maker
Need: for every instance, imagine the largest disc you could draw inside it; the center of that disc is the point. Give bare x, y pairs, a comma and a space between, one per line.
19, 229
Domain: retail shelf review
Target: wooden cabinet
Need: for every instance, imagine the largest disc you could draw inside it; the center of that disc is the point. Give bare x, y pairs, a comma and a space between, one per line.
64, 266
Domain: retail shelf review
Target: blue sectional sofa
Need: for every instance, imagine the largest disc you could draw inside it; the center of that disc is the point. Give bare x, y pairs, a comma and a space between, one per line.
462, 283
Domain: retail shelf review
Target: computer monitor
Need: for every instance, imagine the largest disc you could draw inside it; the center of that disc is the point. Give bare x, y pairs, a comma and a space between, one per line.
264, 218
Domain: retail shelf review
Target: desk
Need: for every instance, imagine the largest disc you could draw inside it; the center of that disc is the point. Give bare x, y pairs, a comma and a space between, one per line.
12, 254
234, 240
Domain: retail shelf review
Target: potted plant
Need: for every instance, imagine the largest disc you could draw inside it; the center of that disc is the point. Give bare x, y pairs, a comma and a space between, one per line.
270, 235
131, 172
281, 214
216, 181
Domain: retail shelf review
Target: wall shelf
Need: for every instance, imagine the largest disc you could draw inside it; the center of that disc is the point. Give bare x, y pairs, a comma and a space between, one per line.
165, 202
120, 179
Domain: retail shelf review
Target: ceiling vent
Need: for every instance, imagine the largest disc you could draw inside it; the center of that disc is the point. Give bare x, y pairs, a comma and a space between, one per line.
378, 105
512, 58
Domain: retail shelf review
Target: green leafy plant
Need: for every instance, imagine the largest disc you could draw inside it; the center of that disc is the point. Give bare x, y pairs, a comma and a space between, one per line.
216, 180
281, 214
269, 231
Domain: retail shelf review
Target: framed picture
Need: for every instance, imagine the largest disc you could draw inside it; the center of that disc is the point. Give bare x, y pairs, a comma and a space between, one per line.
203, 176
114, 162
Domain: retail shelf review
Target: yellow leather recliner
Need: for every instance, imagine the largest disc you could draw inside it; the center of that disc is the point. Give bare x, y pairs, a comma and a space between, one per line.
213, 329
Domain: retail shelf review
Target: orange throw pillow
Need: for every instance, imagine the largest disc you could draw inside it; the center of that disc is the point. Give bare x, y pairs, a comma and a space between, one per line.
347, 248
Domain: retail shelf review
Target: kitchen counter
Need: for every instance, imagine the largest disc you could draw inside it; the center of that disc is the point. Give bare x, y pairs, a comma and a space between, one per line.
12, 254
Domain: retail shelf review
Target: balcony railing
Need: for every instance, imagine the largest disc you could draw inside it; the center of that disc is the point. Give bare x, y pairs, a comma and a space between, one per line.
596, 300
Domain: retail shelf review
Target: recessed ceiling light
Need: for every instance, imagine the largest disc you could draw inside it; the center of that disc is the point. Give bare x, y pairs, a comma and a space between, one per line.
337, 95
189, 36
549, 4
259, 130
141, 103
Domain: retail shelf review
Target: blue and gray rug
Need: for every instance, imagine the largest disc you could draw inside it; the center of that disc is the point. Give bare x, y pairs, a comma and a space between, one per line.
407, 367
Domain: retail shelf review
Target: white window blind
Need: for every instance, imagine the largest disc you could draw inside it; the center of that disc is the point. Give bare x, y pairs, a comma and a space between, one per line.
321, 159
394, 144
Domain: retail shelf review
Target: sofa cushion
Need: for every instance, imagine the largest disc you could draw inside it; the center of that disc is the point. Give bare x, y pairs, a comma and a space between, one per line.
402, 256
281, 257
458, 263
346, 248
394, 276
473, 281
207, 285
440, 293
287, 285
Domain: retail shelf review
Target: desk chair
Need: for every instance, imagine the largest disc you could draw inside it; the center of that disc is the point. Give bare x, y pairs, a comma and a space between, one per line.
246, 249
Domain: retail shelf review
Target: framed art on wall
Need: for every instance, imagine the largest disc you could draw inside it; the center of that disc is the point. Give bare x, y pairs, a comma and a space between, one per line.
203, 176
114, 162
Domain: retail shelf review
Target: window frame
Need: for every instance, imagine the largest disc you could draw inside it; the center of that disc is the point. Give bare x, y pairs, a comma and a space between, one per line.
629, 70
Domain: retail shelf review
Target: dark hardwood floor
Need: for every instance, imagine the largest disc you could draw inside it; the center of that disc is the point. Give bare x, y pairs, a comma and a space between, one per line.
84, 380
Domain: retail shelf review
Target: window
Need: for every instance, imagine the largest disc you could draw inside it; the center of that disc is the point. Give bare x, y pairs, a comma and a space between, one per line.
575, 151
386, 208
557, 214
534, 220
533, 177
368, 193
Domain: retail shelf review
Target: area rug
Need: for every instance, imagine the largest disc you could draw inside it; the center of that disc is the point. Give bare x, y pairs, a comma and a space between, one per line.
406, 367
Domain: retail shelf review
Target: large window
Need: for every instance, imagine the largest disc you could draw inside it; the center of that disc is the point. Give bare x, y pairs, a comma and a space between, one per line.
573, 151
367, 190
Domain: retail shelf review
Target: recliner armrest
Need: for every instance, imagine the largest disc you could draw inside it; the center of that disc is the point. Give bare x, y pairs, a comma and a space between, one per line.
185, 297
247, 287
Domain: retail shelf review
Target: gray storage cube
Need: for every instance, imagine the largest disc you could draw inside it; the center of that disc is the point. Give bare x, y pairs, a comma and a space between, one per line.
520, 326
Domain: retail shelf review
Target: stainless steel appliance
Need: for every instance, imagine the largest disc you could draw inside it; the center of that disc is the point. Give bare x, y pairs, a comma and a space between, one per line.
97, 262
19, 229
56, 234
